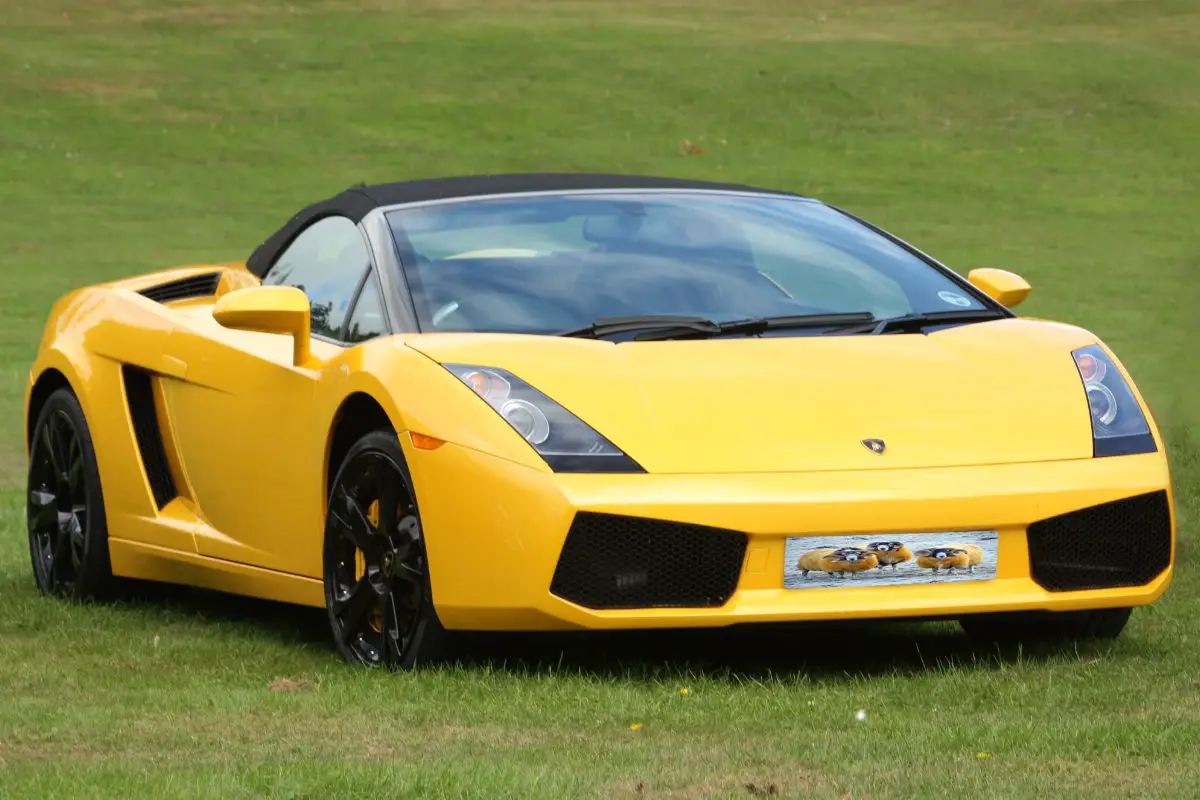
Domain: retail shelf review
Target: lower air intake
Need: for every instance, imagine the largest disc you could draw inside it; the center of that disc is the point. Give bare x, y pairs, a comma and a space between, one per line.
611, 561
1123, 543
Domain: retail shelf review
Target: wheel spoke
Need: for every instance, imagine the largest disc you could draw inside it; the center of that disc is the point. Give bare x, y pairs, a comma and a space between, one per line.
75, 473
391, 645
76, 529
408, 532
408, 573
58, 447
387, 505
353, 523
352, 608
63, 531
408, 583
48, 445
45, 514
60, 558
79, 512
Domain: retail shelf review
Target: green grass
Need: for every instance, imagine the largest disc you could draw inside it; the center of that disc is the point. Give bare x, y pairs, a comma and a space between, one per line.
1055, 139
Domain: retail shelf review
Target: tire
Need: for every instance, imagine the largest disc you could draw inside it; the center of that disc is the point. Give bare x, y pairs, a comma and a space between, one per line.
1063, 626
378, 593
68, 531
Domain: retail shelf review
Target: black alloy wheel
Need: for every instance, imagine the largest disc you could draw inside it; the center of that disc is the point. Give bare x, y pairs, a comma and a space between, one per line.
377, 588
68, 533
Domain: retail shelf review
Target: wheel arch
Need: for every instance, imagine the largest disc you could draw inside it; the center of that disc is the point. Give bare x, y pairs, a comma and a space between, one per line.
359, 414
53, 372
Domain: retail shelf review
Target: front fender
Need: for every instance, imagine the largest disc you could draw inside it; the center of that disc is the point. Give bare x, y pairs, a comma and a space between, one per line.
421, 396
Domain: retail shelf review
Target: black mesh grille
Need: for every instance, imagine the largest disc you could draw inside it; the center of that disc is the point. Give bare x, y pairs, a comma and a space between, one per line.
139, 392
195, 286
1123, 543
611, 561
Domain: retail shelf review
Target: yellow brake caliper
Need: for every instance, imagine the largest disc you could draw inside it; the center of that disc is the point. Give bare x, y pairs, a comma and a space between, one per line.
360, 568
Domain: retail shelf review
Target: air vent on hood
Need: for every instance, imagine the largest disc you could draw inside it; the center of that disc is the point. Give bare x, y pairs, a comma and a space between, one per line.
195, 286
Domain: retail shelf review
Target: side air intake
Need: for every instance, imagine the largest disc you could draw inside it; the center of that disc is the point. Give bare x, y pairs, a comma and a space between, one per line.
611, 561
195, 286
1122, 543
139, 393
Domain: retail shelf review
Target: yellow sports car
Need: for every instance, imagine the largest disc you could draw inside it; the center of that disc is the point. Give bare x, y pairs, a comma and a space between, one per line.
539, 402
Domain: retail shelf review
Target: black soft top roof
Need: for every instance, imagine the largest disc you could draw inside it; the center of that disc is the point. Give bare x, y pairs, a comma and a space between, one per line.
356, 202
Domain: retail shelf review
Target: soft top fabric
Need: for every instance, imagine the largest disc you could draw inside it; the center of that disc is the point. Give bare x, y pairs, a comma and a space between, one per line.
358, 201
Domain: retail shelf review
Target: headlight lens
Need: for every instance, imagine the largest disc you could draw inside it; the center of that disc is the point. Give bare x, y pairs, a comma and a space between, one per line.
567, 443
1118, 425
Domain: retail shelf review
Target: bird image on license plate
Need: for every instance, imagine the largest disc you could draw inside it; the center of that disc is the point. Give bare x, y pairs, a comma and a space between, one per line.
813, 562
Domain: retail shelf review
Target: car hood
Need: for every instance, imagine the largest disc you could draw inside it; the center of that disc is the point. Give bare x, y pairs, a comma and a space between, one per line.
998, 392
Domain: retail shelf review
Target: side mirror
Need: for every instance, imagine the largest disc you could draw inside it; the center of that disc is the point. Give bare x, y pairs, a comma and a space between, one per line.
1006, 288
269, 309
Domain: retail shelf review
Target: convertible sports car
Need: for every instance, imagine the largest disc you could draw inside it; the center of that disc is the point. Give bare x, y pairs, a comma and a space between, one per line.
538, 402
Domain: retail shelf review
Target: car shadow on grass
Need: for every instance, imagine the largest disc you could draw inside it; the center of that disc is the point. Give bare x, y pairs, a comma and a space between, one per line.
833, 651
282, 622
820, 650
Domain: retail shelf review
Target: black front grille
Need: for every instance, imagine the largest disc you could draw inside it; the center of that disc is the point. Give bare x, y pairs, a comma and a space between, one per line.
139, 392
1123, 543
195, 286
611, 561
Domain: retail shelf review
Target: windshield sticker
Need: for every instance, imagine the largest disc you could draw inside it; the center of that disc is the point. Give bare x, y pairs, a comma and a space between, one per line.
954, 299
889, 559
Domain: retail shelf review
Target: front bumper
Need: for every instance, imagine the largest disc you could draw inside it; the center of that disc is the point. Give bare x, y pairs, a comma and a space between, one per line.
495, 531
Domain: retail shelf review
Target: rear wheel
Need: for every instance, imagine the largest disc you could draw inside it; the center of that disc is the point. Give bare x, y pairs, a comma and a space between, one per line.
377, 588
1102, 623
68, 533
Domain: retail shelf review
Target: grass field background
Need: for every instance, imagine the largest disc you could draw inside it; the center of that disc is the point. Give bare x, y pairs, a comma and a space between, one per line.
1058, 139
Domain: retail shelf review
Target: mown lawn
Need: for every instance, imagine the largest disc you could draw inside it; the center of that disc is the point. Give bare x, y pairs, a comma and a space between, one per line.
1058, 139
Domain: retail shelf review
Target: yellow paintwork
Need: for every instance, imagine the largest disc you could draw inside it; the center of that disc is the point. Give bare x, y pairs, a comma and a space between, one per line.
1006, 288
758, 435
269, 309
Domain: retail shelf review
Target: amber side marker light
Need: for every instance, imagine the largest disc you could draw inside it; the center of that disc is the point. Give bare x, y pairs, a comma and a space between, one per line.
423, 442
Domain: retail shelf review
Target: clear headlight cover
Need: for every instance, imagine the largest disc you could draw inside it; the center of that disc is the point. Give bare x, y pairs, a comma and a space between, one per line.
1118, 425
567, 443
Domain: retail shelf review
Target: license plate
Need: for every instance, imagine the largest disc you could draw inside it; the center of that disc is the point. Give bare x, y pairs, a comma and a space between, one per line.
892, 559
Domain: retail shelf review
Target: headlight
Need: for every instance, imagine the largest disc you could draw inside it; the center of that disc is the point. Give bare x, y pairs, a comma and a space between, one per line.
1118, 425
566, 442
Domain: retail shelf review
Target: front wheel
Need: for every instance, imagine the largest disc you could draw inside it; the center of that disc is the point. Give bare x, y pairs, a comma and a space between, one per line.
377, 588
1046, 626
68, 533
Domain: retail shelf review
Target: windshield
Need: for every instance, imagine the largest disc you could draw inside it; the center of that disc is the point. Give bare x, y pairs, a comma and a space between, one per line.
552, 263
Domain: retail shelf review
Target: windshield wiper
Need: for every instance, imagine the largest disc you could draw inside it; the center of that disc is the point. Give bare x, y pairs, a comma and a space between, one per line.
755, 325
652, 328
916, 323
666, 324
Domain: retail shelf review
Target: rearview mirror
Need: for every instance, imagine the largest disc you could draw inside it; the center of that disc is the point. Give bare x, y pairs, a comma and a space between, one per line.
1006, 288
269, 309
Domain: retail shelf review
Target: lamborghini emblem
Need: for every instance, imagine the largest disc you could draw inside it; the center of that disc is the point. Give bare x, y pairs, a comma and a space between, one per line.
876, 446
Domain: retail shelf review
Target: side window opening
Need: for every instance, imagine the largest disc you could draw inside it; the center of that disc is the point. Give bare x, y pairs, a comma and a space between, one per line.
327, 262
368, 319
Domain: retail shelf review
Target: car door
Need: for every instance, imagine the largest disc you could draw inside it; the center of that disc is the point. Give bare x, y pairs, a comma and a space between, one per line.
244, 417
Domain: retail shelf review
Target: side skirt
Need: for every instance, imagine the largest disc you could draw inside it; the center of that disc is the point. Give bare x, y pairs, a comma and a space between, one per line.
149, 562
